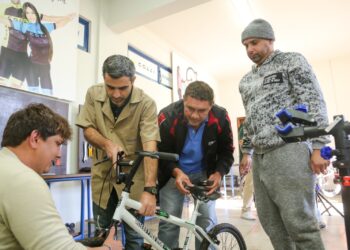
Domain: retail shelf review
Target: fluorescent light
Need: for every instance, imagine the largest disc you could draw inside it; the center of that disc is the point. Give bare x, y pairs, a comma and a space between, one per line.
244, 11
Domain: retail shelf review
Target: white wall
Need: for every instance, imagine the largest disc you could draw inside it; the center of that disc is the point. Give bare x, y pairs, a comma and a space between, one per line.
332, 73
67, 194
230, 98
154, 47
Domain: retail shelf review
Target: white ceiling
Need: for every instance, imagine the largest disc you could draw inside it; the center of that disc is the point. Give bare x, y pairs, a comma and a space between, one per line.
209, 34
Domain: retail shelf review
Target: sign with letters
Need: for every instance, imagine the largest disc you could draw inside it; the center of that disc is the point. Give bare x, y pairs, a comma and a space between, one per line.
150, 68
274, 78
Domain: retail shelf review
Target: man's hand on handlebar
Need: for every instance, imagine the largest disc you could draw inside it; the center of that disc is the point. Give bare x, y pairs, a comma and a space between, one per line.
148, 202
182, 181
112, 151
216, 179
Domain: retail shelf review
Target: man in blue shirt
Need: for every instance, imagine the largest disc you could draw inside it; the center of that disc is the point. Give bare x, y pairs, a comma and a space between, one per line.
200, 132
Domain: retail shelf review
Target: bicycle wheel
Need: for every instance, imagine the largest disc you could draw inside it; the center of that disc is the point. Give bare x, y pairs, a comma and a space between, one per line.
229, 237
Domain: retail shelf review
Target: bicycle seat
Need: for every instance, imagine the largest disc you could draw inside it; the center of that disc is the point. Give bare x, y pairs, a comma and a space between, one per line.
199, 193
205, 183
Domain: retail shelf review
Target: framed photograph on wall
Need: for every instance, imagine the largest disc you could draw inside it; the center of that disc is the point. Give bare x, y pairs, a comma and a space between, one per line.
84, 34
50, 45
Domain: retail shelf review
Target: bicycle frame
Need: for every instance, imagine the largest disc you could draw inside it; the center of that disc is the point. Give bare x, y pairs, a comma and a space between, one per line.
123, 215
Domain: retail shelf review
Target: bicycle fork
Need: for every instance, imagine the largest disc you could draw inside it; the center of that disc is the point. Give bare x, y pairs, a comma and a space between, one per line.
197, 230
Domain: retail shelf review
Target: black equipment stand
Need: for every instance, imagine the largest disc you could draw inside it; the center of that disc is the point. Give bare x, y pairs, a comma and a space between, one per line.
323, 200
299, 126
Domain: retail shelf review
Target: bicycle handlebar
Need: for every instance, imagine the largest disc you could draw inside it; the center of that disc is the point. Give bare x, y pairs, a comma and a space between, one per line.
127, 179
159, 155
199, 191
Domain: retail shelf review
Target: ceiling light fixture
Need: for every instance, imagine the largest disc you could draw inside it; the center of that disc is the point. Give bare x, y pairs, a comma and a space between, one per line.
244, 10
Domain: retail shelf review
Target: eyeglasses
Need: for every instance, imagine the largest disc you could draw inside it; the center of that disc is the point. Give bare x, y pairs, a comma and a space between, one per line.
201, 112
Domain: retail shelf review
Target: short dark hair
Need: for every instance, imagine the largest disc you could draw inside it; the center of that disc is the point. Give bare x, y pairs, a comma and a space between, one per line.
117, 66
35, 116
201, 91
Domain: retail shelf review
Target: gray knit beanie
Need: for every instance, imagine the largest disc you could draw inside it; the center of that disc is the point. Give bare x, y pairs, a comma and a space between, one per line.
259, 28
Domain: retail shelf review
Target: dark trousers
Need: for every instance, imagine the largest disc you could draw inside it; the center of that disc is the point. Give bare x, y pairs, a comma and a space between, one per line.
104, 218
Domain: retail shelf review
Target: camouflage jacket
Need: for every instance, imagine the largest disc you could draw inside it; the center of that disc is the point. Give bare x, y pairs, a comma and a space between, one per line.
282, 81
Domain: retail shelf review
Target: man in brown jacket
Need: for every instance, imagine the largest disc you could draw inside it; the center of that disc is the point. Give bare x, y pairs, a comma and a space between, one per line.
117, 116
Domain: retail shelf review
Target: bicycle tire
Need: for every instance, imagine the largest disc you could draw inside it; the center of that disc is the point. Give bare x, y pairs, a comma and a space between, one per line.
229, 236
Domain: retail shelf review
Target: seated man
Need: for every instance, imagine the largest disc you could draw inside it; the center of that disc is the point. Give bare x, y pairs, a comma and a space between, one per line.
28, 218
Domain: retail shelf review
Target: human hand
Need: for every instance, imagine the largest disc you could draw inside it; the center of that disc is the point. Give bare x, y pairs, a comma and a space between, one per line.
111, 243
182, 181
245, 164
112, 150
148, 204
318, 164
216, 178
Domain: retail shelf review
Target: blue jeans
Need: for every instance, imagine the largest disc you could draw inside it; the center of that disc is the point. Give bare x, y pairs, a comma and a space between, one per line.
104, 218
171, 201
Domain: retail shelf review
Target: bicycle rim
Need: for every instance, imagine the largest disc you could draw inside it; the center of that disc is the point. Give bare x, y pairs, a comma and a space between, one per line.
229, 238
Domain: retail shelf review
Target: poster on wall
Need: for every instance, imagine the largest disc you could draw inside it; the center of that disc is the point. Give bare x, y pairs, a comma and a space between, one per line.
38, 46
185, 72
150, 68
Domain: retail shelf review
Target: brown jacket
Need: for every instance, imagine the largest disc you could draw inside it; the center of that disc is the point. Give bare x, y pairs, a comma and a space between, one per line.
136, 125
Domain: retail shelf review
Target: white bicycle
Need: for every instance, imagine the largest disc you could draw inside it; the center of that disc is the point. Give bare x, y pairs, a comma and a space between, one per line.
221, 236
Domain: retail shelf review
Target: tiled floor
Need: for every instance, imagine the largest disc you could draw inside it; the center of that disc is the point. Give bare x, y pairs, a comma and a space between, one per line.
228, 210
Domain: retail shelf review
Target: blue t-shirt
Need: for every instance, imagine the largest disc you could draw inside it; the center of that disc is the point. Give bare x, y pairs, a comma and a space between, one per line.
191, 157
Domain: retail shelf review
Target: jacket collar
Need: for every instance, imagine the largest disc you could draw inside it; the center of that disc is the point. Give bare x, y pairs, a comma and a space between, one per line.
268, 60
136, 97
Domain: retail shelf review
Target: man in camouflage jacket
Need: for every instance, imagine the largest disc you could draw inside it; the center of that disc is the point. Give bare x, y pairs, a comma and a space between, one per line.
284, 174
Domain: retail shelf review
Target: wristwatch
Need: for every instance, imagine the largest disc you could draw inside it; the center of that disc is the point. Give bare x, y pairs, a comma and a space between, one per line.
152, 190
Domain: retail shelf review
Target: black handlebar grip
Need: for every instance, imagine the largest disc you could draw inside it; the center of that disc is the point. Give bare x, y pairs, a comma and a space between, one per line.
125, 162
168, 156
159, 155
